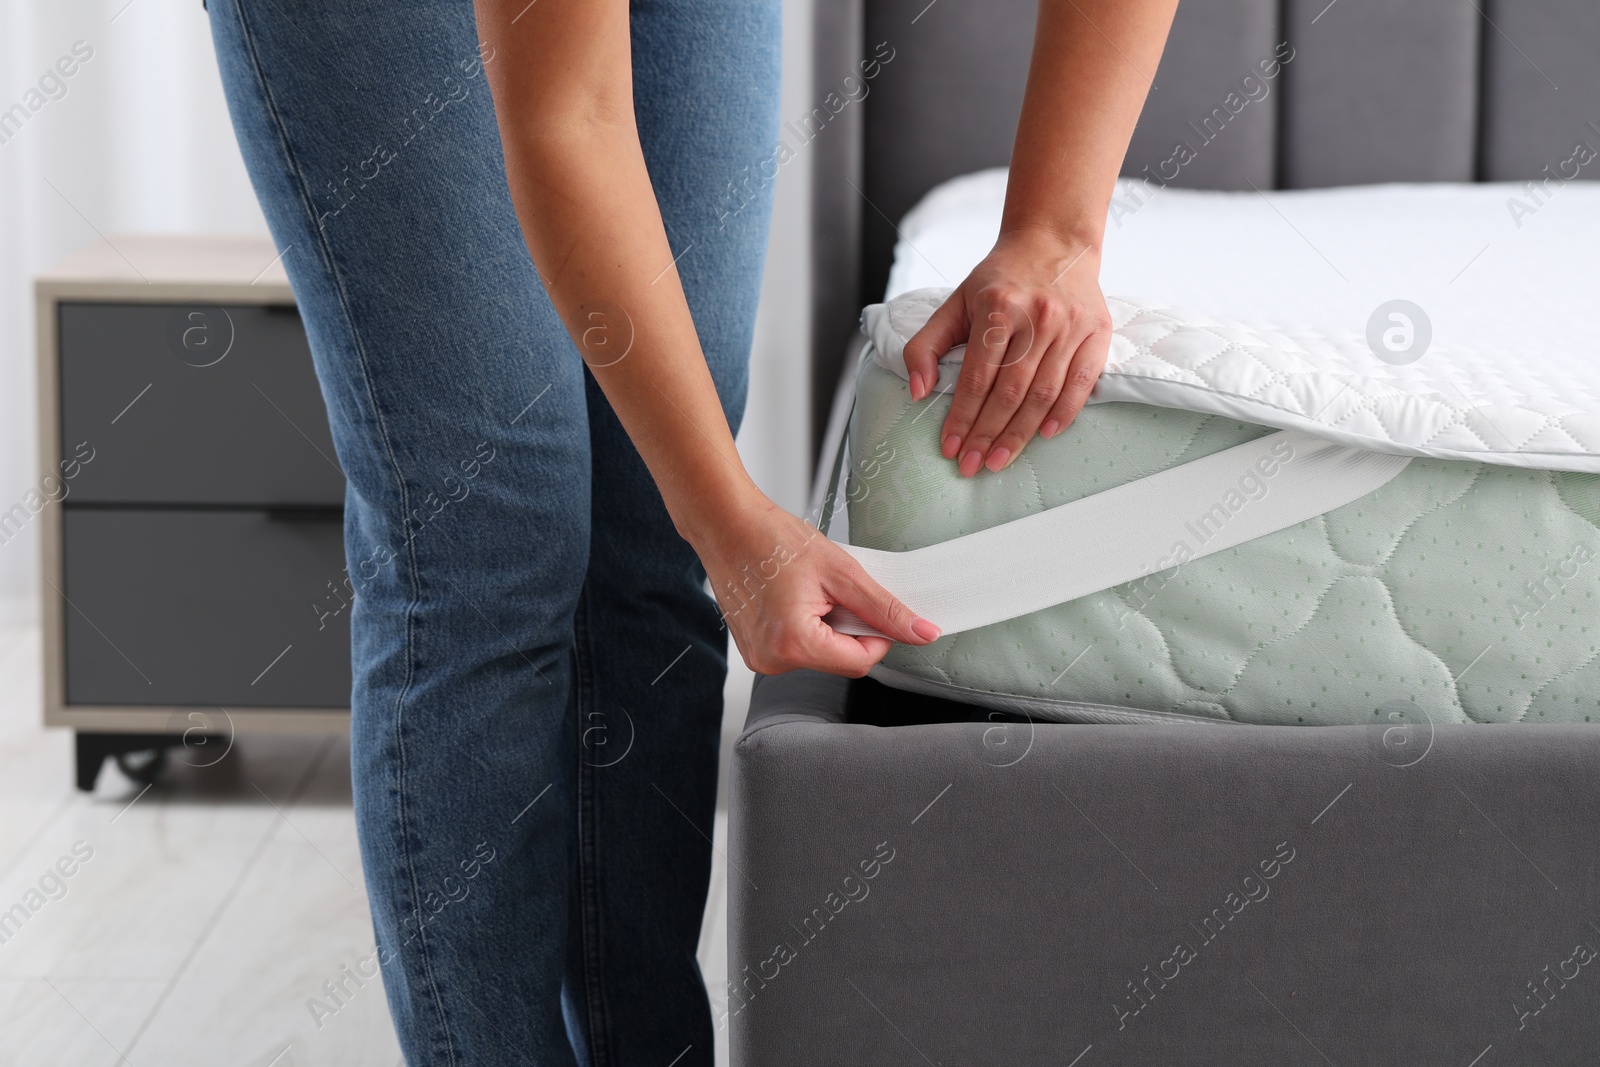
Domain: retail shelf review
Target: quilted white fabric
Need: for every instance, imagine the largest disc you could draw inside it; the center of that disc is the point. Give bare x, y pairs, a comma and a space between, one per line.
1532, 409
1290, 283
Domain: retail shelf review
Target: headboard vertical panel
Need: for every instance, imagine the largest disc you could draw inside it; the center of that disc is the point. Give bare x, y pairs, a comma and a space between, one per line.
1531, 48
836, 207
942, 101
946, 105
1210, 122
1380, 91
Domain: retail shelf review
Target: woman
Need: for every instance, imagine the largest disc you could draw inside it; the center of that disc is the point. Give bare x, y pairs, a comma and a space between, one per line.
463, 197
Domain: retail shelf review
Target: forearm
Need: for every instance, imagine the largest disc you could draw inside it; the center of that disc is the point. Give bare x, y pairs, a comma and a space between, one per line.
1093, 62
562, 83
582, 193
597, 238
1035, 323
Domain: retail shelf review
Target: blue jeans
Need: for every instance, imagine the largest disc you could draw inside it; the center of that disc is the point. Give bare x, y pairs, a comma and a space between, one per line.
537, 670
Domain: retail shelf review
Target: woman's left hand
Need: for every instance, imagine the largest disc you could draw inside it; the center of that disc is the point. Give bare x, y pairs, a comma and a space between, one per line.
1037, 333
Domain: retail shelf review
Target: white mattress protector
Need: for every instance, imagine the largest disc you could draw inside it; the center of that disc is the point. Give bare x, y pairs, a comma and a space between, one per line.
1291, 284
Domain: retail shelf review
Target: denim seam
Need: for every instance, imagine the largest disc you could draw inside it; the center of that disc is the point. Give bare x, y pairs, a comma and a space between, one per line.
588, 889
294, 169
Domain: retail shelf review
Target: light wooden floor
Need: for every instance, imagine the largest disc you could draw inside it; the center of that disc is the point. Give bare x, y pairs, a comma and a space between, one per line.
212, 907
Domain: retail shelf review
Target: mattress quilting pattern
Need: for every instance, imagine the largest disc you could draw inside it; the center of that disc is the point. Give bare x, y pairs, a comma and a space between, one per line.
1465, 590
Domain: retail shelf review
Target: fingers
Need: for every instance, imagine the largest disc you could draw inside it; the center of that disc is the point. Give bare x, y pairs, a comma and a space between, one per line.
1001, 338
853, 588
995, 394
1041, 381
1031, 381
1087, 363
1039, 399
814, 645
809, 643
791, 633
945, 328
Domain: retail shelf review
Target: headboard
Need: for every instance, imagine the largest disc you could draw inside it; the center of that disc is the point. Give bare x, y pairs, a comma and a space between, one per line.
1375, 91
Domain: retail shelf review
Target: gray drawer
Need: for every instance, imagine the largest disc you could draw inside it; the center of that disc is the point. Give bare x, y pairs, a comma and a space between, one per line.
196, 607
170, 422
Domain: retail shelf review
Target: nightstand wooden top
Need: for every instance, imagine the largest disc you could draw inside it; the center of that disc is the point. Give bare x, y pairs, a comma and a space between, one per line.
145, 266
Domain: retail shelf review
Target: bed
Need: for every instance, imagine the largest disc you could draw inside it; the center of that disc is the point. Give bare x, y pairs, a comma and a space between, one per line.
920, 880
1463, 586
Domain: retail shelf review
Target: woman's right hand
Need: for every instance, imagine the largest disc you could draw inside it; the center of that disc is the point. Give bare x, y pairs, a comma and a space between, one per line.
776, 576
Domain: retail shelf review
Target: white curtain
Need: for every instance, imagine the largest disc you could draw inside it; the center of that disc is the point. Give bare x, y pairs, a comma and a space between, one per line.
137, 139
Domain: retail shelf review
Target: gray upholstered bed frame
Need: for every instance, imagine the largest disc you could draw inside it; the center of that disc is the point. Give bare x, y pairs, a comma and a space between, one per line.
912, 883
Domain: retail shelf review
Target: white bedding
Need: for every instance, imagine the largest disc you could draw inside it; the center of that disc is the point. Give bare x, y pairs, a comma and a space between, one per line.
1510, 375
1279, 256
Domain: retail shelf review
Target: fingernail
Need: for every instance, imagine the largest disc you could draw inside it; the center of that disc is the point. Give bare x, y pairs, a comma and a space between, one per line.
1051, 427
971, 462
952, 445
925, 630
916, 385
997, 458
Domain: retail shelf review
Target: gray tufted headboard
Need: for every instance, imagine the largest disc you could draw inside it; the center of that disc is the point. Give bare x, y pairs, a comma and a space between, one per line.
1376, 90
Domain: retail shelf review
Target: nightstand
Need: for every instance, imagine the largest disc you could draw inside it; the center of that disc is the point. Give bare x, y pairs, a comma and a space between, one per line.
190, 505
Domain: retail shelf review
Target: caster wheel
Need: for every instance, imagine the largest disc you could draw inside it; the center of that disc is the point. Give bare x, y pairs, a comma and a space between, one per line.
143, 765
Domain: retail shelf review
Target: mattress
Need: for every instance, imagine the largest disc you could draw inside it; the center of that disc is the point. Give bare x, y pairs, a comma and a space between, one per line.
1464, 590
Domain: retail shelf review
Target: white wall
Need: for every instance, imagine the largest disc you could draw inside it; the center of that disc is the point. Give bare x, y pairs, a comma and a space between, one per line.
140, 141
775, 437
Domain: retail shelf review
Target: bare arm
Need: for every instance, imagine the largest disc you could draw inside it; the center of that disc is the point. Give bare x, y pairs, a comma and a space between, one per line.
1032, 315
563, 92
